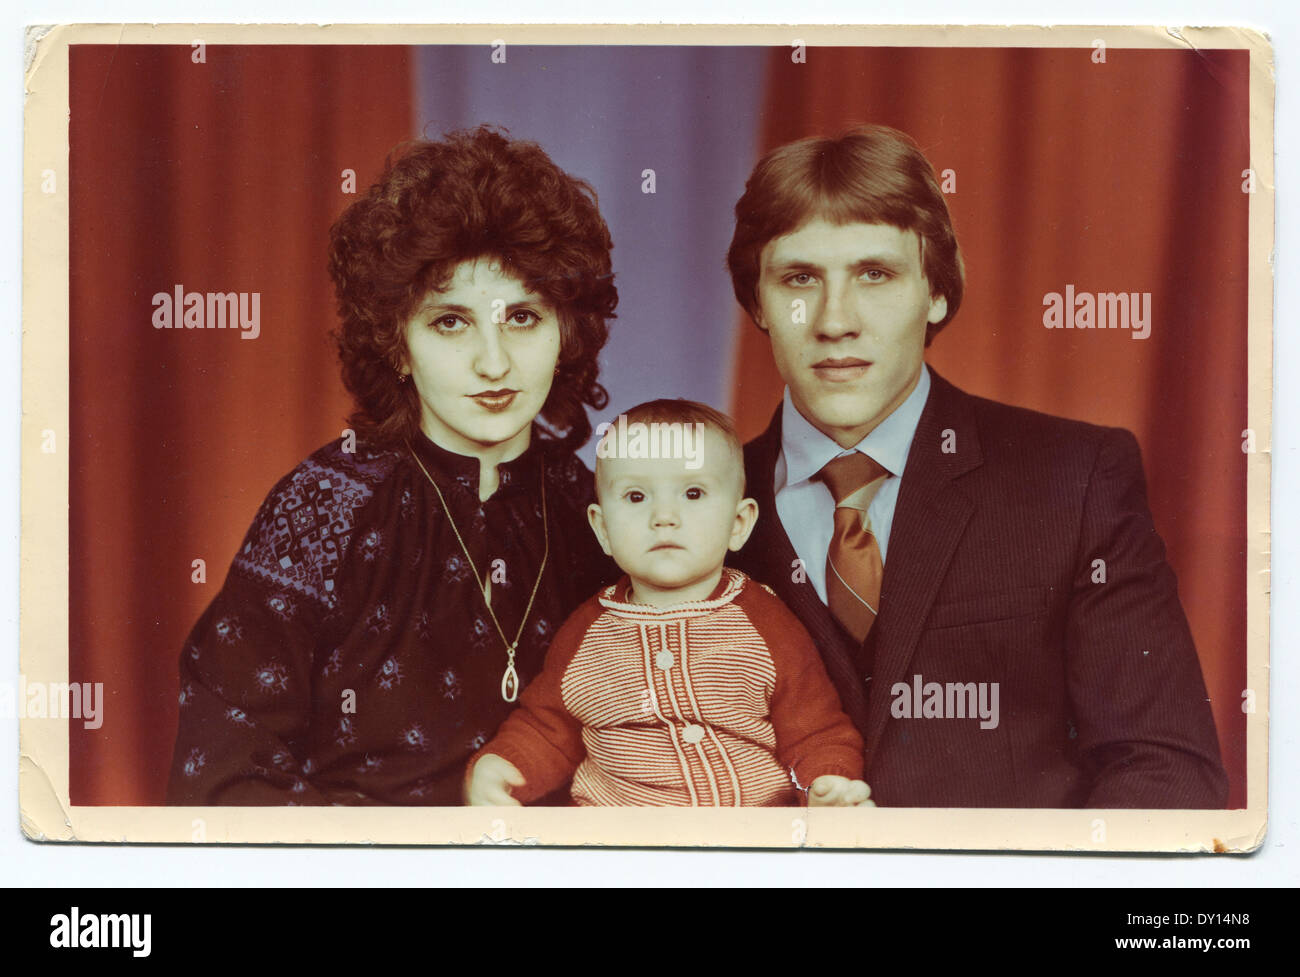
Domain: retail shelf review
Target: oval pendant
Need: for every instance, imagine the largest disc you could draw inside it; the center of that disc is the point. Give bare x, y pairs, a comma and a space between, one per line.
510, 683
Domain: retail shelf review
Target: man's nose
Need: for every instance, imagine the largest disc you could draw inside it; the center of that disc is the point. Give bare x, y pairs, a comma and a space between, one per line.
838, 315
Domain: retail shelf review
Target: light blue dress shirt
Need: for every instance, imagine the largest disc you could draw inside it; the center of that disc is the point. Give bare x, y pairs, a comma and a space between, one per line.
805, 506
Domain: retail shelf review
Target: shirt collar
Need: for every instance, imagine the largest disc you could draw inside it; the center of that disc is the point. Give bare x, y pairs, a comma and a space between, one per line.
615, 598
807, 450
516, 475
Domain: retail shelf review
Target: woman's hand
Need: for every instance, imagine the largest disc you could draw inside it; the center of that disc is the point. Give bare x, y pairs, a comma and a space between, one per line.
491, 780
831, 791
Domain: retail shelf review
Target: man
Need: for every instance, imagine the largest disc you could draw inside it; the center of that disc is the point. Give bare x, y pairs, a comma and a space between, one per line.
984, 582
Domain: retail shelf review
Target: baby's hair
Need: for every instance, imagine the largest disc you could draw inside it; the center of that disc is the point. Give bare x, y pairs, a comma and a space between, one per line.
666, 410
669, 410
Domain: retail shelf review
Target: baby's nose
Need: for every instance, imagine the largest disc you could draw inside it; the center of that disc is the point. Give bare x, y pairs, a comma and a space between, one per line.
664, 516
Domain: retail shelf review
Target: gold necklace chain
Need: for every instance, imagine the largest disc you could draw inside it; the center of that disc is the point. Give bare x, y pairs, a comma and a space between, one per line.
510, 678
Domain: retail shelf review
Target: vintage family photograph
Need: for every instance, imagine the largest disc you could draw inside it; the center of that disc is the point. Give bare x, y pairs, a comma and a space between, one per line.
533, 420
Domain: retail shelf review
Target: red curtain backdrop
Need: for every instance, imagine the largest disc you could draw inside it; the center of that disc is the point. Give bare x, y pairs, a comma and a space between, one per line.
221, 176
225, 175
1116, 176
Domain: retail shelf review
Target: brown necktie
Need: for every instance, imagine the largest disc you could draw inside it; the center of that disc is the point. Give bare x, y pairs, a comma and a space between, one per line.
853, 564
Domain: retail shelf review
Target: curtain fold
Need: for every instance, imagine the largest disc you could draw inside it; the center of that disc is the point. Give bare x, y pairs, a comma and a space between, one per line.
216, 176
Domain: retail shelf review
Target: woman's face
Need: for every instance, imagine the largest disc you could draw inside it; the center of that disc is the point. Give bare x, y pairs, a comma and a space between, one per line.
482, 355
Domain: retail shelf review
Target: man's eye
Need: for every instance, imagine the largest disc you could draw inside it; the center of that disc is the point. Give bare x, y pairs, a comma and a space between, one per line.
876, 275
799, 278
695, 493
635, 496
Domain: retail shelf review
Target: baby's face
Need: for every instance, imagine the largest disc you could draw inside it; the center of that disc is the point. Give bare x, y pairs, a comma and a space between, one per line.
669, 526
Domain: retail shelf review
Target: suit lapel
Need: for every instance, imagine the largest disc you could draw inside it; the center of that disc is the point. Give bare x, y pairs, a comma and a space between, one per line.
929, 519
768, 553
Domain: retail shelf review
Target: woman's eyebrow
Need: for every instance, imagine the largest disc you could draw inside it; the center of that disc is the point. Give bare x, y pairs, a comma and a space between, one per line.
432, 306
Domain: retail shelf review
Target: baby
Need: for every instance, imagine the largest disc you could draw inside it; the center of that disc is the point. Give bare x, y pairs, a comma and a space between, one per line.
685, 683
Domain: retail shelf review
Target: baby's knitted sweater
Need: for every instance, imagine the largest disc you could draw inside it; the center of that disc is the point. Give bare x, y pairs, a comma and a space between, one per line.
719, 702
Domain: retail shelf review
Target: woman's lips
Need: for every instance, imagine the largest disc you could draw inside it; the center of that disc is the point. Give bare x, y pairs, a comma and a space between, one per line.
841, 370
495, 400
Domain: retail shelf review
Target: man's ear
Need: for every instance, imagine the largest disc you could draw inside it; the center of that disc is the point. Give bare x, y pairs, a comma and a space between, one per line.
597, 519
746, 517
938, 309
756, 314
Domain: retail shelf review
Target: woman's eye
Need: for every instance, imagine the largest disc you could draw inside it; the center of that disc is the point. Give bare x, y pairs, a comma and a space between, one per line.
635, 496
695, 493
449, 324
524, 319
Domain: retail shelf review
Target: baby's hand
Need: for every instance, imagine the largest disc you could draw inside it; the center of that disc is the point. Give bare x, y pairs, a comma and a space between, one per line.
829, 790
491, 780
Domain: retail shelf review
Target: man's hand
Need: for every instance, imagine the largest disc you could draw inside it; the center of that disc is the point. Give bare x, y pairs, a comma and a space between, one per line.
832, 791
491, 780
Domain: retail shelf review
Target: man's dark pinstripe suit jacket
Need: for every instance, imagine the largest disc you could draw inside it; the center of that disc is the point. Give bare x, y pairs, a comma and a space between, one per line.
990, 578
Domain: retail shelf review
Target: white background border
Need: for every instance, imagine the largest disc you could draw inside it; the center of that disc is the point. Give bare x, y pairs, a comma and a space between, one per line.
24, 863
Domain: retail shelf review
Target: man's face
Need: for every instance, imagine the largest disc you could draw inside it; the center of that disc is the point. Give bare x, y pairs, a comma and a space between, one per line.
668, 526
846, 307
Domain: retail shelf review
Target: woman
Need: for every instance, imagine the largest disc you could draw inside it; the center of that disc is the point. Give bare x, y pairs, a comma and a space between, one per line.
398, 588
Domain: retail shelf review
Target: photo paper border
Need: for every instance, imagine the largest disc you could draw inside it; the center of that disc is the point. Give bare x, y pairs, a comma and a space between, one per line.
43, 760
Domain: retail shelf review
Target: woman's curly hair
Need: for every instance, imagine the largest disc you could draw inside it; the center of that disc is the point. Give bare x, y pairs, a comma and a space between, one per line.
475, 193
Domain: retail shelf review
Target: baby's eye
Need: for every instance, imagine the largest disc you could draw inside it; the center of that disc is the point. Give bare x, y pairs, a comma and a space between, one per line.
694, 492
635, 496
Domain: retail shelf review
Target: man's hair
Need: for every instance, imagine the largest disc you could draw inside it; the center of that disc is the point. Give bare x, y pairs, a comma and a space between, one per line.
870, 174
473, 194
669, 410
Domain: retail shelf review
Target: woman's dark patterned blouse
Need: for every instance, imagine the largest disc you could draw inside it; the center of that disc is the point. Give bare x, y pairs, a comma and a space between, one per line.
349, 658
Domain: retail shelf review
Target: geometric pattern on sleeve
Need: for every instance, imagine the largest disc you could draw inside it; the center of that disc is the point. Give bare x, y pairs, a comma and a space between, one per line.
302, 531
